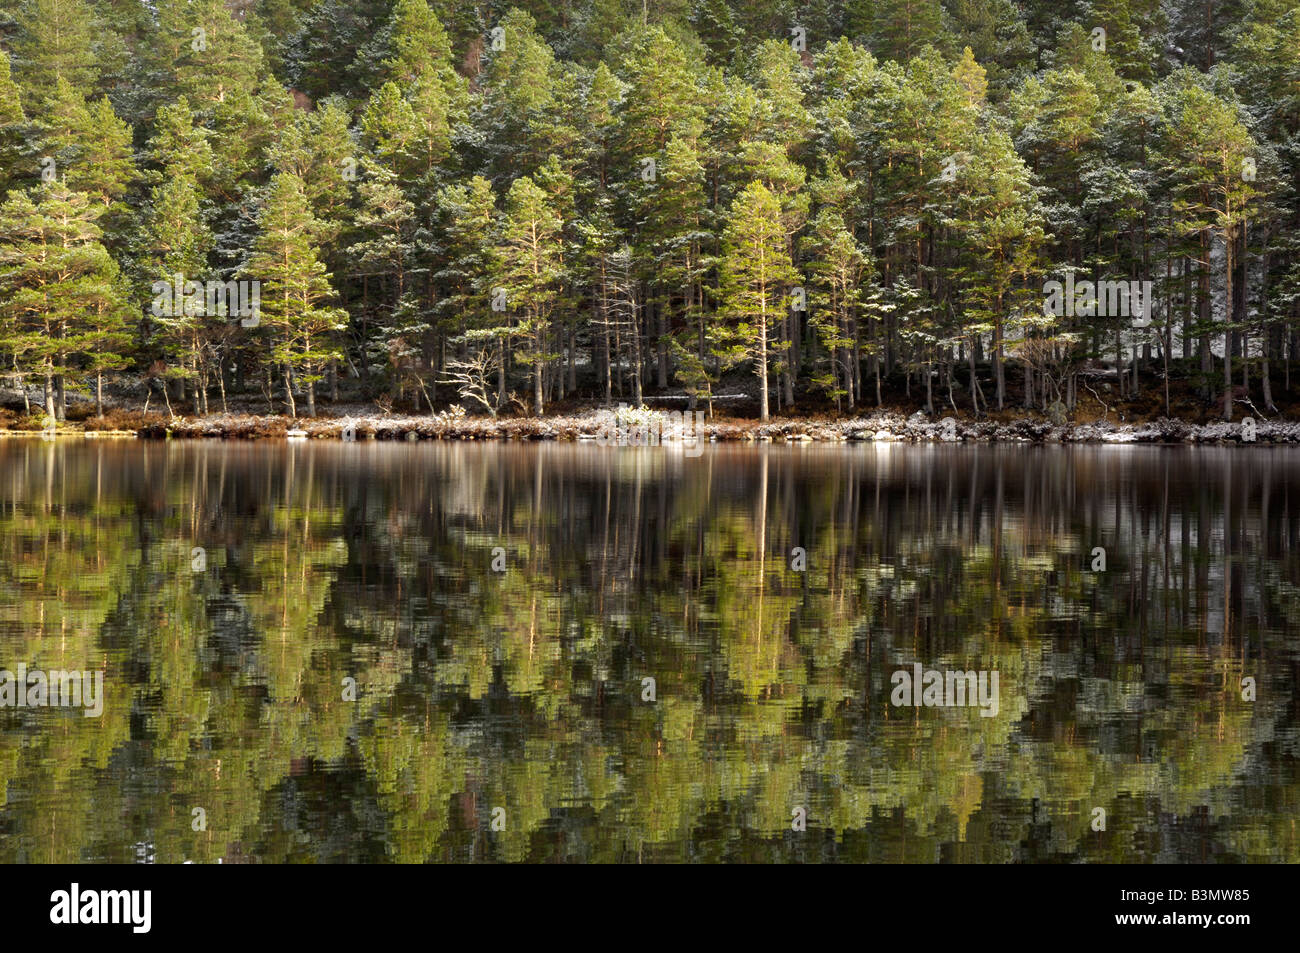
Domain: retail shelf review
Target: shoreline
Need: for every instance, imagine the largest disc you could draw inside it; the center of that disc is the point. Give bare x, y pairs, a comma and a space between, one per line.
879, 427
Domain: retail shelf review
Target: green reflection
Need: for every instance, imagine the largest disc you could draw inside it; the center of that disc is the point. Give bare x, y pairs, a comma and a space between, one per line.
522, 690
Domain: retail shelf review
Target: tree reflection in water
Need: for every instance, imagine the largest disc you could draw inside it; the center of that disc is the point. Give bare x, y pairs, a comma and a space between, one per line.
522, 690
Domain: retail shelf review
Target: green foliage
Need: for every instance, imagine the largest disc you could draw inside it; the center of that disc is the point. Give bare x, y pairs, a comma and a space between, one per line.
934, 164
477, 689
756, 274
61, 298
295, 288
55, 43
532, 270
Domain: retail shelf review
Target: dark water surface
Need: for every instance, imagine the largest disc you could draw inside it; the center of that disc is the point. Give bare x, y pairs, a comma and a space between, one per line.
516, 699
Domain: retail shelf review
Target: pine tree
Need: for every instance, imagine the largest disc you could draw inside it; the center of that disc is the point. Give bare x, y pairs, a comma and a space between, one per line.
212, 55
107, 338
321, 57
174, 253
517, 87
470, 274
838, 270
180, 146
18, 164
997, 35
901, 28
391, 131
531, 269
923, 230
1206, 145
420, 55
92, 151
782, 125
294, 289
754, 270
107, 164
57, 283
393, 324
671, 243
1000, 229
272, 23
662, 101
55, 43
319, 149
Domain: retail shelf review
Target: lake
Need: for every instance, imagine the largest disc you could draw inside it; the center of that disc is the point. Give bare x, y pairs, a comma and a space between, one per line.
561, 652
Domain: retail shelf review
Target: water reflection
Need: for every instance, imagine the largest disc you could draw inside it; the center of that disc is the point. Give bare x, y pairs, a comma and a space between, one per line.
226, 686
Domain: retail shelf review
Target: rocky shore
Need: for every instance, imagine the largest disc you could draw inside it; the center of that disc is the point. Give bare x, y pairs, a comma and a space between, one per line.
595, 427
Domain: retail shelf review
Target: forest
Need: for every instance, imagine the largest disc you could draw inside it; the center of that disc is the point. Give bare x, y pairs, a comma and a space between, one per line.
974, 206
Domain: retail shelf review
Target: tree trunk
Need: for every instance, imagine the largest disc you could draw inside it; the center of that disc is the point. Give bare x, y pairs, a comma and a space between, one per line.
997, 358
537, 374
288, 393
637, 363
663, 348
501, 375
573, 360
762, 361
1227, 332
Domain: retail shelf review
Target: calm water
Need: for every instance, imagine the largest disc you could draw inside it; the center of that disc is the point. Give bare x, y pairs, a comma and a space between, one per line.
504, 715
